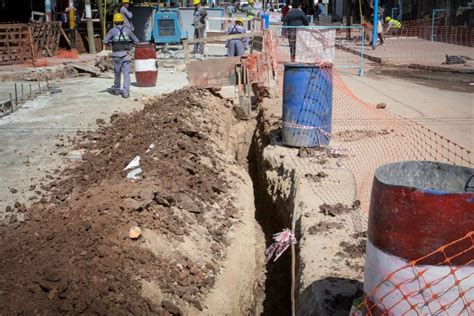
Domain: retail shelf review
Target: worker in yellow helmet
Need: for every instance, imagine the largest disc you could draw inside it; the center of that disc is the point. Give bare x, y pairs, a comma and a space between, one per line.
127, 14
121, 38
199, 23
250, 10
72, 11
237, 46
392, 25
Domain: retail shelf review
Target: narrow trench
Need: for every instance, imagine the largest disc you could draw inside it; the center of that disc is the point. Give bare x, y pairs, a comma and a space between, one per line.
272, 219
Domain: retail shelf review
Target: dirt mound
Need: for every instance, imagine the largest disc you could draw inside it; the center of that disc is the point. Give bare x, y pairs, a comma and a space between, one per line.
74, 255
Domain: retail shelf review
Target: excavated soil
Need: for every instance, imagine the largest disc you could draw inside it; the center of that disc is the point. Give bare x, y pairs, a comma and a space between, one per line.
73, 254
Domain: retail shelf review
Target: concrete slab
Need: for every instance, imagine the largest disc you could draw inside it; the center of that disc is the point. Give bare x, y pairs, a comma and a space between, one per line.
446, 112
411, 50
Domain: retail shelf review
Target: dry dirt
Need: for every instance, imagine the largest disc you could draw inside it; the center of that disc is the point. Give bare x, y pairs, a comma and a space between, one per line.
355, 135
41, 74
73, 253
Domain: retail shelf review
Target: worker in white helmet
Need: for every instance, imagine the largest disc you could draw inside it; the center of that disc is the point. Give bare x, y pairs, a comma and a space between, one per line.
199, 23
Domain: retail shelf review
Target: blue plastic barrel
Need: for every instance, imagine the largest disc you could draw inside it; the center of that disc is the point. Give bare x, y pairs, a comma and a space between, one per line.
307, 105
266, 20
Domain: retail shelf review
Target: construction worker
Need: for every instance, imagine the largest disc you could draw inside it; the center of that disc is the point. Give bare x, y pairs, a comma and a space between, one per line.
392, 25
199, 23
127, 15
72, 11
121, 38
294, 18
379, 27
237, 46
250, 10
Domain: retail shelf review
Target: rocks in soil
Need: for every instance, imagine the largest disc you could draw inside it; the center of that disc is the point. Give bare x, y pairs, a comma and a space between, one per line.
105, 63
315, 177
135, 232
324, 227
357, 134
334, 210
351, 250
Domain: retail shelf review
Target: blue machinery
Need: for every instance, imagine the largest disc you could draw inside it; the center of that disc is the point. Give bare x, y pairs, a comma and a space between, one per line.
167, 27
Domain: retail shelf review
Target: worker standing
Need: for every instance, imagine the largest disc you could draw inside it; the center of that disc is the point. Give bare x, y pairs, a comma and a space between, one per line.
237, 46
392, 25
72, 11
250, 9
127, 15
293, 19
121, 38
199, 23
286, 8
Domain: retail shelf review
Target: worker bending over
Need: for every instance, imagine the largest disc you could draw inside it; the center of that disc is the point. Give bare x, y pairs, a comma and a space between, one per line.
121, 38
127, 15
199, 23
236, 46
392, 25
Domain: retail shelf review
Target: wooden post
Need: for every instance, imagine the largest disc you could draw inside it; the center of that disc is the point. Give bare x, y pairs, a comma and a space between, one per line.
186, 51
90, 28
102, 17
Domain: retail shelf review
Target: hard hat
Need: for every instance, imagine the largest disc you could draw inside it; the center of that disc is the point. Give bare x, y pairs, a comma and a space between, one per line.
240, 21
196, 2
118, 17
125, 1
250, 1
387, 19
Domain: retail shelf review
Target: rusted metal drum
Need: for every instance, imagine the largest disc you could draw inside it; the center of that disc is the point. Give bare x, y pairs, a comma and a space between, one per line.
416, 209
146, 71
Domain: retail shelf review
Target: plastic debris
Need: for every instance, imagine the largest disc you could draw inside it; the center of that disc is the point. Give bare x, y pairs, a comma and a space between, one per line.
134, 163
281, 242
134, 174
152, 146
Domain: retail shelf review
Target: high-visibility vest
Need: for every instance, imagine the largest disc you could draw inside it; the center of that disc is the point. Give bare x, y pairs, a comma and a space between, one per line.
396, 24
72, 18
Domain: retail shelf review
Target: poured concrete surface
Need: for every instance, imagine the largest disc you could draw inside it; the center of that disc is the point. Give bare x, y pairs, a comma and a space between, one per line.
34, 139
449, 113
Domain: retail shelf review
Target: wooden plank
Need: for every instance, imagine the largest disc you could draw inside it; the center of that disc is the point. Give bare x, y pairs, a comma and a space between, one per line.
213, 73
90, 70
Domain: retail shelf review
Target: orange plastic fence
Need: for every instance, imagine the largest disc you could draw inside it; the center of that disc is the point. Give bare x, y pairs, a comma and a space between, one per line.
414, 289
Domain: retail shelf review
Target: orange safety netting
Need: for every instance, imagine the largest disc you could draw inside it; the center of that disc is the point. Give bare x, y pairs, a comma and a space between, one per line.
369, 136
73, 54
416, 289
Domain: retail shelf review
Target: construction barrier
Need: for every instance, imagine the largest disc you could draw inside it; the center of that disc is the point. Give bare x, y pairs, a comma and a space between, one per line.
363, 138
417, 207
321, 43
